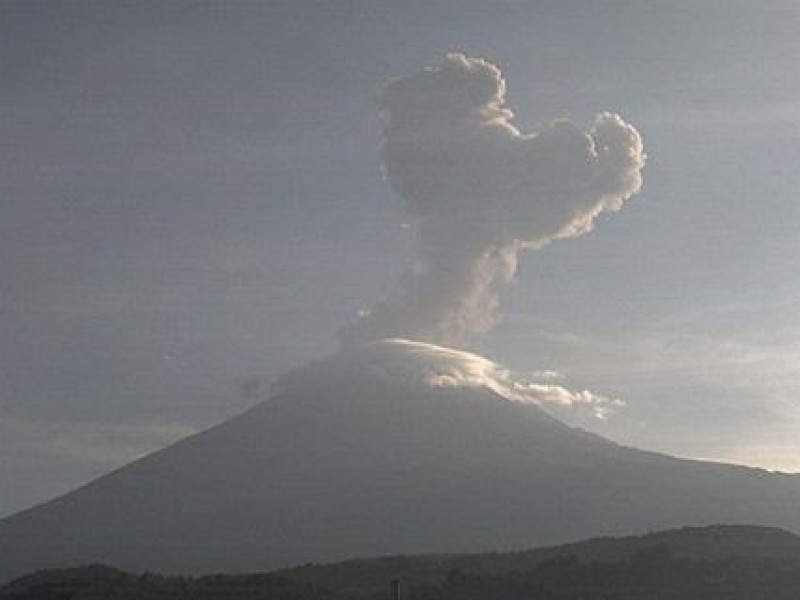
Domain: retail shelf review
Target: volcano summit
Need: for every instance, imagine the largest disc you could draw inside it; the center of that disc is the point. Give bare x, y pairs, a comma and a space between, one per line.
399, 447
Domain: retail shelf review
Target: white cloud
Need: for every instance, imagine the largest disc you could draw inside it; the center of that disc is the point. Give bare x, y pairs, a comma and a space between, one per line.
421, 364
713, 383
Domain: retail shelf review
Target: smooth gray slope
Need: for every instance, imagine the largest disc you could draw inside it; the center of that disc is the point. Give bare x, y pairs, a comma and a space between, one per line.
344, 464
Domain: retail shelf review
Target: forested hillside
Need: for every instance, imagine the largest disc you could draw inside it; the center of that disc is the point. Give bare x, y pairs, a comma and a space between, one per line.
730, 563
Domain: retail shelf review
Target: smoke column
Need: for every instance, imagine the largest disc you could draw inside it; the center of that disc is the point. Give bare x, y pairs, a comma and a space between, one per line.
478, 192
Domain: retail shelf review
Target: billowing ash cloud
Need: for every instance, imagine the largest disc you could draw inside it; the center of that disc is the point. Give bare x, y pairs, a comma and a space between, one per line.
478, 192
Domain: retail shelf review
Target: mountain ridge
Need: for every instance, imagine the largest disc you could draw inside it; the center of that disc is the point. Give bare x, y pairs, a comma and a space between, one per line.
343, 462
713, 550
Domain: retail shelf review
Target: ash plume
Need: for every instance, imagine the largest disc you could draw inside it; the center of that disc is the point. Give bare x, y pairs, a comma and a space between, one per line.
478, 192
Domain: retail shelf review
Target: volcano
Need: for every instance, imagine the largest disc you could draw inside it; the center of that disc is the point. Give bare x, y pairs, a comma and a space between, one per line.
399, 448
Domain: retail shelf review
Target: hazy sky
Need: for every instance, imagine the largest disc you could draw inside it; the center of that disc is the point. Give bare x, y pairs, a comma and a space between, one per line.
191, 199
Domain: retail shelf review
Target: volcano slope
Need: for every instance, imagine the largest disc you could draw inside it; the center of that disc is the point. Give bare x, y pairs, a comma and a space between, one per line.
383, 452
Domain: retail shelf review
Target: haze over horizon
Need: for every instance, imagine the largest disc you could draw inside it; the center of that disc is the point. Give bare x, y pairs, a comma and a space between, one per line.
193, 205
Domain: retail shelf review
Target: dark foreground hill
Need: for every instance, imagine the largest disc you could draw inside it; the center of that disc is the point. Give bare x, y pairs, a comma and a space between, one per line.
717, 544
373, 455
724, 562
100, 582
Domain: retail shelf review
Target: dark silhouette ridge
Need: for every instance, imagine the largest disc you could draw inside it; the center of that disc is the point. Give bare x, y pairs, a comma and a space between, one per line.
687, 564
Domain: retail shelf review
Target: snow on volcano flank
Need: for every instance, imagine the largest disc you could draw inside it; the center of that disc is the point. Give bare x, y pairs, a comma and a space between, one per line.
477, 192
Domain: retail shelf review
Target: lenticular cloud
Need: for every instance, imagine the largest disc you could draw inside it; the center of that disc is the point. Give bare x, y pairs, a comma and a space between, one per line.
419, 366
479, 192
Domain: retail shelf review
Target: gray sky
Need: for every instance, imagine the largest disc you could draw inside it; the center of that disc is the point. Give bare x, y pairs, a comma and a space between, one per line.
191, 198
